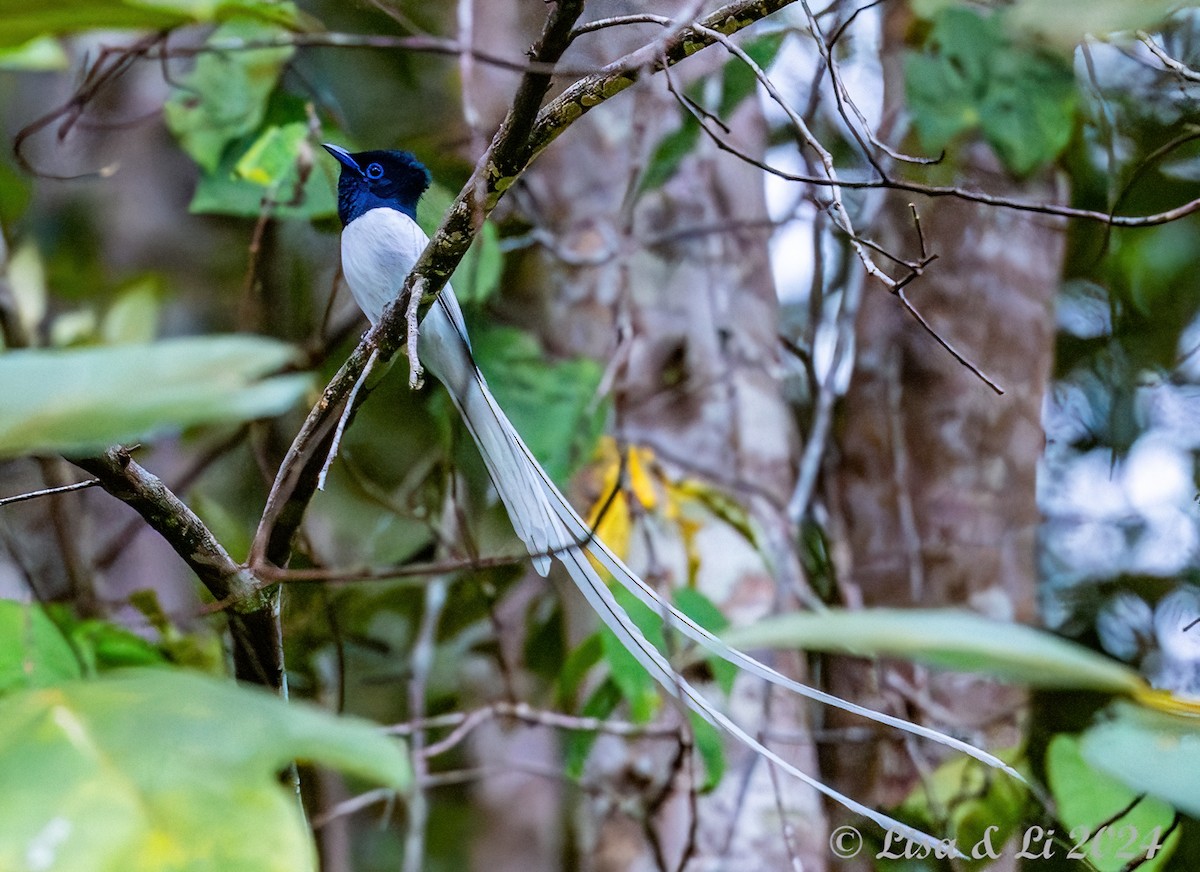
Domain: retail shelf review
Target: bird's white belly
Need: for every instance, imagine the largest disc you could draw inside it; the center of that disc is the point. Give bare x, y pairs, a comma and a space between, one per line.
379, 250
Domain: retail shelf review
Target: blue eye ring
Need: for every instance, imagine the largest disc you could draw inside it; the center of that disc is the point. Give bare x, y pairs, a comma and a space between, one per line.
375, 171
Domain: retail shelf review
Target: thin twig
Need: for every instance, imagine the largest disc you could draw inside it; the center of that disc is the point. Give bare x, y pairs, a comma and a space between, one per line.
45, 492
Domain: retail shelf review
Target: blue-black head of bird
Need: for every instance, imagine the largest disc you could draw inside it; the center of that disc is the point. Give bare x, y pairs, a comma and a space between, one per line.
374, 179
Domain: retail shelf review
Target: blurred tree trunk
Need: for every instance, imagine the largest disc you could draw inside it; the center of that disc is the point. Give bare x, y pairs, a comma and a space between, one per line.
687, 320
934, 487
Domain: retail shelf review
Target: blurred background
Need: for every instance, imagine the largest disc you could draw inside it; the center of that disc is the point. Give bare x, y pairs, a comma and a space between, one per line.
669, 312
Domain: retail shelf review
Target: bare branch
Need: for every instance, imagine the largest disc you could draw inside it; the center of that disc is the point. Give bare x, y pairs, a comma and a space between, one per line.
45, 492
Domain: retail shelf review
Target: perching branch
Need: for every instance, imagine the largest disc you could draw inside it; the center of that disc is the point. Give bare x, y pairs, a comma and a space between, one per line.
523, 135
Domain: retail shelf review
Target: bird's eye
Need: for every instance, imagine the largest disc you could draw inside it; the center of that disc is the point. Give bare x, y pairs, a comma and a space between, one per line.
374, 171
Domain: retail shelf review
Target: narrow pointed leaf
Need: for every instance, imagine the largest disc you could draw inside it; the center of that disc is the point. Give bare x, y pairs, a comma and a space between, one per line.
86, 399
947, 638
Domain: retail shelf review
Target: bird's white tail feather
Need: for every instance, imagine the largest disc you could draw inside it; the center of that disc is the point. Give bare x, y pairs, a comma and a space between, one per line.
548, 525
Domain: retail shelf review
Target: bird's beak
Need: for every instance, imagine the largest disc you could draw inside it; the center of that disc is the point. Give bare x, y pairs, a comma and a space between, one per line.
343, 156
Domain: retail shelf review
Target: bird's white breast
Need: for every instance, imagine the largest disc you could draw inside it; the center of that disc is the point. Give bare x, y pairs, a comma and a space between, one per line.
379, 250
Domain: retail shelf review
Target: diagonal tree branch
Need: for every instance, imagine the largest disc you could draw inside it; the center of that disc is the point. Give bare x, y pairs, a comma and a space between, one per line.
253, 624
522, 136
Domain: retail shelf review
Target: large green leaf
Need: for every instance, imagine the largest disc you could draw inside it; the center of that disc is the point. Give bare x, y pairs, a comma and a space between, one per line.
947, 638
168, 770
1150, 751
1106, 821
24, 21
225, 96
80, 400
33, 651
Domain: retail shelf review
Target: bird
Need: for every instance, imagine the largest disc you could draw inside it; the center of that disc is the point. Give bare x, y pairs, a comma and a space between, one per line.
377, 196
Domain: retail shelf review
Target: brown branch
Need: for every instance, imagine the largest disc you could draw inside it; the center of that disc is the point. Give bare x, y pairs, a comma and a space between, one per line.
257, 651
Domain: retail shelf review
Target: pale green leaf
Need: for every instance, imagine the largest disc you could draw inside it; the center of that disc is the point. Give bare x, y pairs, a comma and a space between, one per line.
1087, 799
272, 157
947, 638
1149, 751
40, 54
225, 96
1066, 22
24, 21
81, 400
168, 770
33, 651
133, 315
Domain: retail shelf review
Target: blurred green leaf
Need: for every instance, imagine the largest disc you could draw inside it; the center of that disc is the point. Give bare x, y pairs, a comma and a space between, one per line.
946, 638
133, 315
576, 667
40, 54
166, 769
578, 743
1087, 799
1149, 751
637, 688
80, 400
704, 612
552, 404
104, 646
738, 82
25, 21
970, 76
1066, 22
711, 748
965, 796
670, 153
225, 96
272, 156
33, 651
477, 277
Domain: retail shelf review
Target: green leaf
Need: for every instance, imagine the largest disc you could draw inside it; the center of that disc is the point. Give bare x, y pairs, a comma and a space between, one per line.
225, 97
738, 82
552, 404
168, 770
133, 316
1087, 799
42, 53
949, 639
24, 21
966, 799
671, 151
636, 686
970, 76
1067, 22
80, 400
578, 744
273, 155
711, 747
104, 646
704, 612
576, 667
1149, 751
33, 651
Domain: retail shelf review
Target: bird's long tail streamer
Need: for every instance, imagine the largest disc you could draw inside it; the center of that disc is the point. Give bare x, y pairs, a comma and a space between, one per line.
548, 525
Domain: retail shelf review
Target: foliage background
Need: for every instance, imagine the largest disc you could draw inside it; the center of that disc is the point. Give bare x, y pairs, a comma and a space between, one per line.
642, 281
